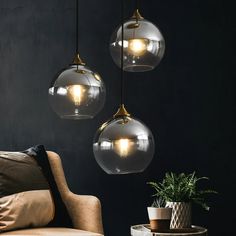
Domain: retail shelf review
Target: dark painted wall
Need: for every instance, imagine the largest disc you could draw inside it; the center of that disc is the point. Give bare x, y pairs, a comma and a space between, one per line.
188, 101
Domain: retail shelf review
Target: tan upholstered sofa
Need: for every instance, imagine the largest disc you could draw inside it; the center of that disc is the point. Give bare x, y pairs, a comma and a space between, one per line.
85, 211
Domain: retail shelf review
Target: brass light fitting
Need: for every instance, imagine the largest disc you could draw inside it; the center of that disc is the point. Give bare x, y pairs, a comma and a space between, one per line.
137, 15
121, 112
133, 25
78, 61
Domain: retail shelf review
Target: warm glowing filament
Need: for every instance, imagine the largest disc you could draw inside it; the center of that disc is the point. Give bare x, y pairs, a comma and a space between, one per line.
76, 93
137, 47
123, 147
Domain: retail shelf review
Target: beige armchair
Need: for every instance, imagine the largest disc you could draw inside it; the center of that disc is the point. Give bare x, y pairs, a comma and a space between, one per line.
85, 211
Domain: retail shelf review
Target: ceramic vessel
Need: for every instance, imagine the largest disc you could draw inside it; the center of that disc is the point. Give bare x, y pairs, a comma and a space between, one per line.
181, 214
159, 218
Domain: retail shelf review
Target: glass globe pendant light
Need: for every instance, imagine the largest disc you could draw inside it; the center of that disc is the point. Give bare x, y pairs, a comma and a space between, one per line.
144, 45
77, 92
123, 144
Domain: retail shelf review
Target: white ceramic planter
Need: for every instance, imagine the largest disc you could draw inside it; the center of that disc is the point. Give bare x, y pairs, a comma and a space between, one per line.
159, 218
181, 214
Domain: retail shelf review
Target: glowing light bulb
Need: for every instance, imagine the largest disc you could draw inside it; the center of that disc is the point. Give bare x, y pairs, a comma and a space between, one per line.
76, 94
123, 147
137, 47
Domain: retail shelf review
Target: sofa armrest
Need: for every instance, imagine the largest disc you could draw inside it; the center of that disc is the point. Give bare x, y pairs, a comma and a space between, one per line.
85, 212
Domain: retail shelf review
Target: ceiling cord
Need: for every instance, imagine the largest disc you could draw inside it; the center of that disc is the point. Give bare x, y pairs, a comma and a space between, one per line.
137, 4
77, 27
122, 54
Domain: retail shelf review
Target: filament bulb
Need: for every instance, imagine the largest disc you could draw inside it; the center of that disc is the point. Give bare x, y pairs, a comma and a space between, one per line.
137, 47
76, 94
123, 147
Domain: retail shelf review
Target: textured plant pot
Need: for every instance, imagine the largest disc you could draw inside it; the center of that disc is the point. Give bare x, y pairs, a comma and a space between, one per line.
159, 218
181, 214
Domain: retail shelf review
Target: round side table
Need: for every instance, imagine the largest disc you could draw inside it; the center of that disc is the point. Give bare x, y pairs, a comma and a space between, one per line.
144, 230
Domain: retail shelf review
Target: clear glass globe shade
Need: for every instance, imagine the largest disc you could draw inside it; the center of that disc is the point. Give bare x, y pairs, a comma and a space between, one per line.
123, 145
77, 93
143, 44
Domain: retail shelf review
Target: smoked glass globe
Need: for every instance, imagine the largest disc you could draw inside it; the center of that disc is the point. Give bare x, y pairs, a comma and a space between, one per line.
77, 93
143, 45
123, 145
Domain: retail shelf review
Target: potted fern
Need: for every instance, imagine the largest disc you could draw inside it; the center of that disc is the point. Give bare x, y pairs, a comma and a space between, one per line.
180, 191
159, 215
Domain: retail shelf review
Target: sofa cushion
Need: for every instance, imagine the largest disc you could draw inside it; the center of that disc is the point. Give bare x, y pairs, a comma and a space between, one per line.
25, 198
19, 172
30, 208
52, 232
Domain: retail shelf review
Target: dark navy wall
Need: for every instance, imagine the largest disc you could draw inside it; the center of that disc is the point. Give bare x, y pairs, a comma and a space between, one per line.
188, 101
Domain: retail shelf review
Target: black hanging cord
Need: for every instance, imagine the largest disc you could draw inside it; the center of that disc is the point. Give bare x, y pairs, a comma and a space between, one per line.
77, 26
122, 54
137, 4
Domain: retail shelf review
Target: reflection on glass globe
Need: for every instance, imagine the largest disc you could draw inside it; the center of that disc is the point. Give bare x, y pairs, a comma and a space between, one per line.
123, 145
77, 93
143, 45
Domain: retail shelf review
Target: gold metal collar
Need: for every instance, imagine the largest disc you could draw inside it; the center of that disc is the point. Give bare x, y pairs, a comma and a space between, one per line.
78, 61
137, 15
121, 111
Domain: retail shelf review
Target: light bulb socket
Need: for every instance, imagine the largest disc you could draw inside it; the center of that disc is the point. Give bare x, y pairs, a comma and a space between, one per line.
121, 111
77, 60
133, 25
